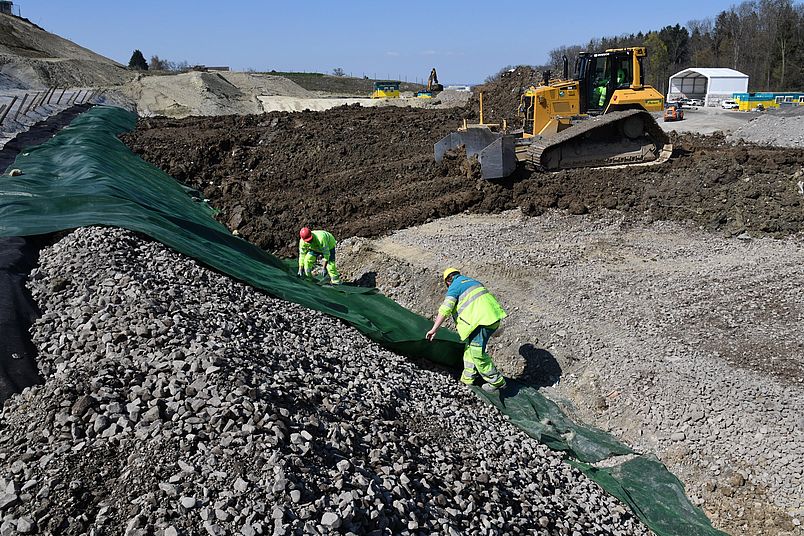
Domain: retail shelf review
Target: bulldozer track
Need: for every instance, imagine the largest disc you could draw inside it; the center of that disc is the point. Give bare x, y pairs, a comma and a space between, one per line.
541, 152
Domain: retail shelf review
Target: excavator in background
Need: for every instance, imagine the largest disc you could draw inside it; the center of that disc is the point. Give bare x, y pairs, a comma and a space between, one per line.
433, 87
600, 117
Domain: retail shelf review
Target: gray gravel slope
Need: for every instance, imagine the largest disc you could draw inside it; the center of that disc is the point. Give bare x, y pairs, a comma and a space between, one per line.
178, 401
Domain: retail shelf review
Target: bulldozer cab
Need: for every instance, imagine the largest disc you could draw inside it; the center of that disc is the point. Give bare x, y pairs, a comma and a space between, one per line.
600, 75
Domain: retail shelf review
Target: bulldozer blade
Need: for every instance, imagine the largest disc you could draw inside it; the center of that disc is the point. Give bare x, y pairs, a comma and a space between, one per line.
494, 151
498, 159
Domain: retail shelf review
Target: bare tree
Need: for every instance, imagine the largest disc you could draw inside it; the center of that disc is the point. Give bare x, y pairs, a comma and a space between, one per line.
177, 66
157, 65
556, 55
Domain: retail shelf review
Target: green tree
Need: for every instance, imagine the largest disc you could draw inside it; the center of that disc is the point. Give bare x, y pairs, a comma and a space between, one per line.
137, 61
676, 39
659, 62
703, 49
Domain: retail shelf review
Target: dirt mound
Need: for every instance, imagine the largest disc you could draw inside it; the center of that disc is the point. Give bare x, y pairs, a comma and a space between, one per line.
200, 93
30, 57
501, 96
716, 185
366, 171
355, 171
340, 85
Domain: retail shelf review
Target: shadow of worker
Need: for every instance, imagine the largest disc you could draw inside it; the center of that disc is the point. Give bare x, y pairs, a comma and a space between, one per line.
368, 280
541, 368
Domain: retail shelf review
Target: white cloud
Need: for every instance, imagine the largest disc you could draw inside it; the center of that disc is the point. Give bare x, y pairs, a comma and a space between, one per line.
392, 53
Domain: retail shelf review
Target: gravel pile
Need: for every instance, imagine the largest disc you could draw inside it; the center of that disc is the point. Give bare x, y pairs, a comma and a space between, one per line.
680, 342
781, 128
178, 401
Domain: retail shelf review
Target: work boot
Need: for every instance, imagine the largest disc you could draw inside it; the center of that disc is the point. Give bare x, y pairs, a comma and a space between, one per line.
489, 388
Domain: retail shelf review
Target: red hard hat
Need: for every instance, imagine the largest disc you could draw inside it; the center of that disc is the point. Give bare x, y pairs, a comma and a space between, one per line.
305, 234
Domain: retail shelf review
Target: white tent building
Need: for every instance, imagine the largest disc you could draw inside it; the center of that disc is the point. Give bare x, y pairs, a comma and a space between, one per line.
710, 84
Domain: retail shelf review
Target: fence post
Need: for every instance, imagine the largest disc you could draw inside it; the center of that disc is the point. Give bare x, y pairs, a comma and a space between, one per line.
60, 96
3, 117
28, 109
20, 108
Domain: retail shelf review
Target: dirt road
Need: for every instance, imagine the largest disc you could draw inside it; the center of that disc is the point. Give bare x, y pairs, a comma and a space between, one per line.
684, 344
708, 120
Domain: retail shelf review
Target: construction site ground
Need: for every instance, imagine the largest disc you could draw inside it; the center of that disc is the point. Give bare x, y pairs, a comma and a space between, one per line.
660, 303
708, 120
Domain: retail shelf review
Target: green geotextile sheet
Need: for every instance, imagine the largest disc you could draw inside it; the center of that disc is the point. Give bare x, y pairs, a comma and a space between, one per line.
86, 176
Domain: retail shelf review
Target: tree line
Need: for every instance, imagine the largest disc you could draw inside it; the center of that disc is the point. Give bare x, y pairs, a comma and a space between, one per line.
138, 62
761, 38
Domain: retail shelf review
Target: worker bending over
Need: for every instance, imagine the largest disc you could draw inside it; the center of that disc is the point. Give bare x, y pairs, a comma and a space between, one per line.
315, 244
477, 315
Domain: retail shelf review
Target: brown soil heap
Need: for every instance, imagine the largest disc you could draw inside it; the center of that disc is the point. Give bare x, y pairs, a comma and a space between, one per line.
501, 97
366, 171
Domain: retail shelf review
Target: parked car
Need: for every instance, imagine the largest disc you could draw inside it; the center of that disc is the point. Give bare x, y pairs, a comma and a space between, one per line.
673, 113
692, 102
730, 104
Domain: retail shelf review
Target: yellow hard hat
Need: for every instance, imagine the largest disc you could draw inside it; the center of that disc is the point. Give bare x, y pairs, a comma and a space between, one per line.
449, 271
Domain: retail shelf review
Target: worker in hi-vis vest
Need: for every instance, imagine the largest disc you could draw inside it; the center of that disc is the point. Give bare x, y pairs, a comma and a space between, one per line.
477, 315
315, 244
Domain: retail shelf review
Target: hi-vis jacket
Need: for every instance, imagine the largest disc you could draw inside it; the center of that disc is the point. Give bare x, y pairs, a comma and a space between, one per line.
471, 305
323, 244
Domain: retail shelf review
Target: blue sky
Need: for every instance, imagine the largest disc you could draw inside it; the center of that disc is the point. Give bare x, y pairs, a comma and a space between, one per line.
465, 40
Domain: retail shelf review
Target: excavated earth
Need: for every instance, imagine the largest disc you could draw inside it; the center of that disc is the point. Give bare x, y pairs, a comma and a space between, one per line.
364, 172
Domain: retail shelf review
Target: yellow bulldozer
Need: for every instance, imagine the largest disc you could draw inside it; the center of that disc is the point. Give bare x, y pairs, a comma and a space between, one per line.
600, 117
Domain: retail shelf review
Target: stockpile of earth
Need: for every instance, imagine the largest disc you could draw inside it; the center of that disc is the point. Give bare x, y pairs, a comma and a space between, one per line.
365, 172
178, 401
206, 93
339, 85
355, 171
720, 187
501, 96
